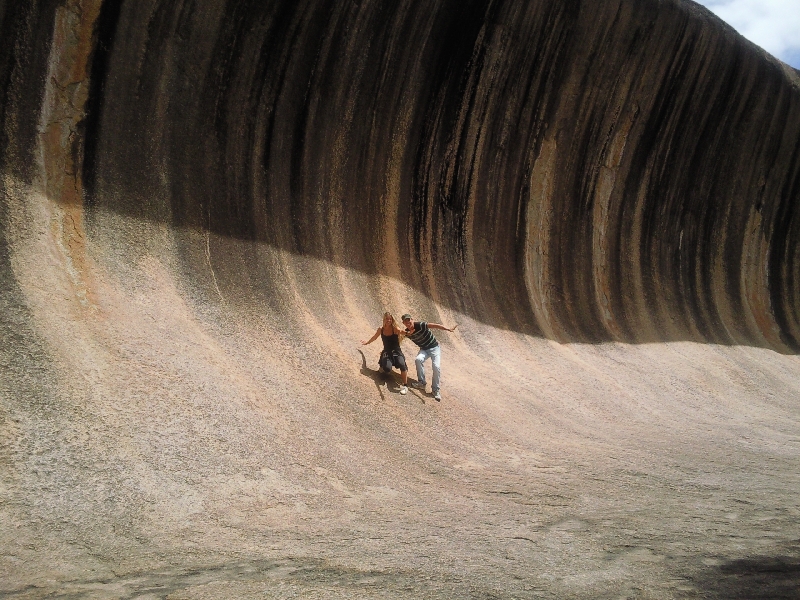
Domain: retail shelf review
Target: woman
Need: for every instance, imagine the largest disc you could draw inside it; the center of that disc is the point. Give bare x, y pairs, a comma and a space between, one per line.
392, 355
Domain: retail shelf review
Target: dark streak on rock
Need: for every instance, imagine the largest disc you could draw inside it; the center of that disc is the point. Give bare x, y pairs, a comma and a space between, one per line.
669, 147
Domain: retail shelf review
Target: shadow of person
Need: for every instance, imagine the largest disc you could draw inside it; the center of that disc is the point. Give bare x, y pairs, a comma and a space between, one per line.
376, 376
382, 379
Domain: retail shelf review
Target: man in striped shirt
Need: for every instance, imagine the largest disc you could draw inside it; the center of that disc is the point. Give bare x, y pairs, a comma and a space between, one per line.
420, 333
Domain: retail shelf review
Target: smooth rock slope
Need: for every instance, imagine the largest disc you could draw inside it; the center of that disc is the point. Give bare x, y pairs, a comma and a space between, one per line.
206, 204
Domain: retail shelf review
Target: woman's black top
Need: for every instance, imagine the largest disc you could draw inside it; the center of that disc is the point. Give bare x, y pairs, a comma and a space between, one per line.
390, 342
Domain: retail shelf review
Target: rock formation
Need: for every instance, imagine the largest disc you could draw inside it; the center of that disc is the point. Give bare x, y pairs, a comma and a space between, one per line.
586, 172
191, 187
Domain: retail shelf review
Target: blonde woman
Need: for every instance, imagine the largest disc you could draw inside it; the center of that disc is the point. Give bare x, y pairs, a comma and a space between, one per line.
392, 355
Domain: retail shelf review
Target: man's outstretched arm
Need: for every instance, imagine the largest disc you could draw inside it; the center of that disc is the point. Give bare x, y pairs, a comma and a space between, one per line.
442, 327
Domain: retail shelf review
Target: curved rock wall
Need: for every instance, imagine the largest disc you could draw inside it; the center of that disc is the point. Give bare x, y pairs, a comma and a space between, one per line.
584, 171
205, 206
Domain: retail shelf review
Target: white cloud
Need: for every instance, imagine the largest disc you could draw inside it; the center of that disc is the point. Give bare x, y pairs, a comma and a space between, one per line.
772, 24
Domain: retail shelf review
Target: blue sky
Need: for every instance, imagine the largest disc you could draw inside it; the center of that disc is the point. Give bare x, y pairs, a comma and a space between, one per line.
772, 24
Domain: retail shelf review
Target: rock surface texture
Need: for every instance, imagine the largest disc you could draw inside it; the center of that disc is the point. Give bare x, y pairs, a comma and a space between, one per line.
206, 204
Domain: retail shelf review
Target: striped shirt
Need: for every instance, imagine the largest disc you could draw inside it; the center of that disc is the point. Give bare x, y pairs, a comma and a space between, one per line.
422, 336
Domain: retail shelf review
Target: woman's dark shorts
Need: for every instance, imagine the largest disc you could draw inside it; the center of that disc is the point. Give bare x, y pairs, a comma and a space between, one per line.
392, 357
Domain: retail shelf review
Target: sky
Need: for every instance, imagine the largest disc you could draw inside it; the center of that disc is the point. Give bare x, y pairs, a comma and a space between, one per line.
772, 24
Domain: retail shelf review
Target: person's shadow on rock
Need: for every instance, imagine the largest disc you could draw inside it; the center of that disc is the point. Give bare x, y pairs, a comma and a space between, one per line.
376, 376
382, 379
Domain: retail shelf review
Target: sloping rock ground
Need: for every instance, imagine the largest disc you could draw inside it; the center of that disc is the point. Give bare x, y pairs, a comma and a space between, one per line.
187, 411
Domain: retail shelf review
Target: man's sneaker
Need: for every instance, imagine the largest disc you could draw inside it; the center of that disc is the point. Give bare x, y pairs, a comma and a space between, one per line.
418, 385
403, 389
437, 396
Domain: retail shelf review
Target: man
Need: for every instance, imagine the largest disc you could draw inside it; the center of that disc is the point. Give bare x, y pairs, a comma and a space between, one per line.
420, 333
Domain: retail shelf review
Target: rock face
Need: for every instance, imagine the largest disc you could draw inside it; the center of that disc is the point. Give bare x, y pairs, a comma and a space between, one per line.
206, 204
583, 171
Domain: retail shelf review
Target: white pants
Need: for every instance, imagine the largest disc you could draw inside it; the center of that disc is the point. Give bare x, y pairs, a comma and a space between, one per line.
436, 358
